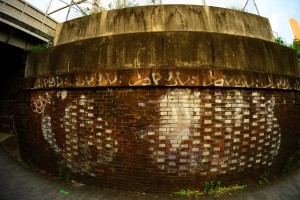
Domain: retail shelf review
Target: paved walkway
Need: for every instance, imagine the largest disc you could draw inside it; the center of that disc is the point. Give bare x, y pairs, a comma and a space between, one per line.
18, 182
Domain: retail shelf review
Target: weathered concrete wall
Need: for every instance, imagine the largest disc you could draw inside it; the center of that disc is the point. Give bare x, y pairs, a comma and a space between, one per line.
161, 110
164, 18
166, 50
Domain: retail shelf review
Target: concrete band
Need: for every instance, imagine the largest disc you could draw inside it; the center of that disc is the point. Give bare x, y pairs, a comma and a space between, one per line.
164, 18
195, 50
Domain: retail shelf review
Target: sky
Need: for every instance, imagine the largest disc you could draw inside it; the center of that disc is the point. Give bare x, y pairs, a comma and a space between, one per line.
277, 11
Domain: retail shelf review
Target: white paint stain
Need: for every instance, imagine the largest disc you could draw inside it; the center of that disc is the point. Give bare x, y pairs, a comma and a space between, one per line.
185, 112
75, 146
141, 104
48, 133
63, 94
176, 126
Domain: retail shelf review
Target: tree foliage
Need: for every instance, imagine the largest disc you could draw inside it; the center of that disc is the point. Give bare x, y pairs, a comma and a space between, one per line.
118, 4
296, 47
279, 40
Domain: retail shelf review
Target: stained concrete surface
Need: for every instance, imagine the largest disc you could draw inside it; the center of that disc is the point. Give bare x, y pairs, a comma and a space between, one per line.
164, 18
18, 181
163, 50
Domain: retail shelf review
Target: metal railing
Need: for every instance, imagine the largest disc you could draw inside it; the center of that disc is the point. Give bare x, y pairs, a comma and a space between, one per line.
80, 6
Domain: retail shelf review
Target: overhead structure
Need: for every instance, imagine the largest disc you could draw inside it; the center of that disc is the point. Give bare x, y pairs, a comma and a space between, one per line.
23, 26
63, 7
255, 5
120, 4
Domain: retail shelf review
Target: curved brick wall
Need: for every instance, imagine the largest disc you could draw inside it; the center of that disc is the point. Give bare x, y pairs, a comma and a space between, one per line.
161, 111
160, 139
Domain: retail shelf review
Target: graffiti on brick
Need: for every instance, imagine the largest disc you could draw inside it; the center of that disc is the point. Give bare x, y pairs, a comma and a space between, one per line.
143, 81
177, 80
156, 77
46, 82
85, 81
106, 79
239, 81
250, 82
168, 77
40, 102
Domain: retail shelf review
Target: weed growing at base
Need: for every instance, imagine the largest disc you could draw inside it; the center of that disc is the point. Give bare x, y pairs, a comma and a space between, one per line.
287, 166
65, 173
216, 187
264, 178
31, 165
188, 193
210, 188
298, 163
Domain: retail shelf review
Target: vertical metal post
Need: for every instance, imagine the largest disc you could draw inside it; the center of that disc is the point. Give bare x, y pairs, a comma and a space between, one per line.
160, 2
245, 5
256, 7
69, 10
46, 13
48, 7
23, 8
95, 6
203, 2
124, 3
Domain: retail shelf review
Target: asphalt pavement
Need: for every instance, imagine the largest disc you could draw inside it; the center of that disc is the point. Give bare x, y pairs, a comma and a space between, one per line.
19, 182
